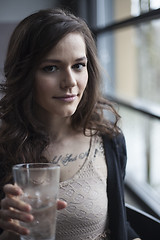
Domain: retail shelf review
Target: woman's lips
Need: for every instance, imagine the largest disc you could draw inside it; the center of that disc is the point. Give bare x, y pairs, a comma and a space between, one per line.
66, 98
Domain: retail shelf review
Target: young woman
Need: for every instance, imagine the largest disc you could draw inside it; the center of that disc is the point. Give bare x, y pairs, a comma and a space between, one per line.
52, 111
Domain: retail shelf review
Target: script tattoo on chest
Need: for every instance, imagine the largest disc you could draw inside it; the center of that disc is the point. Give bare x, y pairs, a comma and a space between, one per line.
69, 157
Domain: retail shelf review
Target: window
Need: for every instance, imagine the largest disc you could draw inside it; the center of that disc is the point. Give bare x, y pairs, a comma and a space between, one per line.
128, 43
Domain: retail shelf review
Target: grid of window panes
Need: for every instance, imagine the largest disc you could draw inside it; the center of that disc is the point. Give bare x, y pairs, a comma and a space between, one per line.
130, 59
109, 11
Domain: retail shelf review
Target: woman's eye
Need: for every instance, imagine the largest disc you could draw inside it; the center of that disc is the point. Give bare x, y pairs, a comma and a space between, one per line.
49, 69
79, 66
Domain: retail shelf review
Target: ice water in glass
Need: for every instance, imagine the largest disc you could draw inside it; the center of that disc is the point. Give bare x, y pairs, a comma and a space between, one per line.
40, 184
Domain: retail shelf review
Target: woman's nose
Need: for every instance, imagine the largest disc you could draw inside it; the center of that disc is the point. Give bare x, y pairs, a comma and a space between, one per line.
69, 79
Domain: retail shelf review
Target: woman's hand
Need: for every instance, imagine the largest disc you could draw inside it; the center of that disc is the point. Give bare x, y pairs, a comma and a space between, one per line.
14, 210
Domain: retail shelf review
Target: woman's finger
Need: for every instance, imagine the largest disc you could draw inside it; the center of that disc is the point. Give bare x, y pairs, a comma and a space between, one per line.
14, 190
13, 226
61, 204
12, 202
7, 215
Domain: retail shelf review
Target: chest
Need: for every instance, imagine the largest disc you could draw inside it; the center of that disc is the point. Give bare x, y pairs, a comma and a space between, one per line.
86, 197
69, 155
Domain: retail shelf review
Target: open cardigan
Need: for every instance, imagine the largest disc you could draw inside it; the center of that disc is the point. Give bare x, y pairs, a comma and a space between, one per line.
116, 158
115, 153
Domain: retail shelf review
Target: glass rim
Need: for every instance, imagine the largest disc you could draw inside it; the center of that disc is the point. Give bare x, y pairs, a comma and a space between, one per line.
40, 166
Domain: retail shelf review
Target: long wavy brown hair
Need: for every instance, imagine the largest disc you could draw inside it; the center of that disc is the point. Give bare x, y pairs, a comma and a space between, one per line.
22, 137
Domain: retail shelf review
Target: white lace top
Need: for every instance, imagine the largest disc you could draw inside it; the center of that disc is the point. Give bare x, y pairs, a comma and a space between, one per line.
86, 213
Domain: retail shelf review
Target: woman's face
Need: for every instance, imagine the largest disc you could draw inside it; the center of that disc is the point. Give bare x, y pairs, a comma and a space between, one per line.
62, 76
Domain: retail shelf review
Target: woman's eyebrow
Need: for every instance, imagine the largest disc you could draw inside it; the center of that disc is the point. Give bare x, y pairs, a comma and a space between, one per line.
51, 61
60, 61
81, 59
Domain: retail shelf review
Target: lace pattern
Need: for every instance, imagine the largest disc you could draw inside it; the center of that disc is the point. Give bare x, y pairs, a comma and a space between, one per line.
87, 200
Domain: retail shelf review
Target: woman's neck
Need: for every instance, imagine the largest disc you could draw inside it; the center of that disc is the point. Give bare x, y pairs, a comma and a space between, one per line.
59, 129
56, 126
